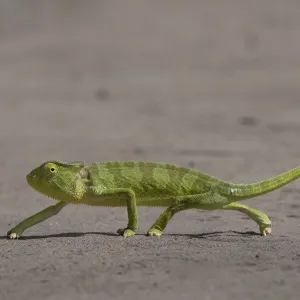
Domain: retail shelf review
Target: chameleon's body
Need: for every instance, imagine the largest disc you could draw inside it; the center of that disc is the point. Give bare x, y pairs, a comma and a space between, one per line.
138, 183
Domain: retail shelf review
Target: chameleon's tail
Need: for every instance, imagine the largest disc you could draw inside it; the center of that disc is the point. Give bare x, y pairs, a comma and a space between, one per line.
246, 191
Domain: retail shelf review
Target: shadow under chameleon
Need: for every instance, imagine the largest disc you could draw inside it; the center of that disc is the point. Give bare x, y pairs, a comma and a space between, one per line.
78, 234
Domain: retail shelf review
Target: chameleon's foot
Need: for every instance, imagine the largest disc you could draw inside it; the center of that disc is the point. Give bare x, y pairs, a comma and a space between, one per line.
265, 230
126, 232
13, 235
154, 232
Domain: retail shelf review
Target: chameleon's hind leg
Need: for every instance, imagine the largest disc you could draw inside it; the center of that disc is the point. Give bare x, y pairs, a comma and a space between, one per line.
163, 219
203, 201
256, 215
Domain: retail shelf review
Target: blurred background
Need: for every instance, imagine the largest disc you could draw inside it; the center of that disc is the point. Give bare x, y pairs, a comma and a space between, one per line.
207, 84
212, 85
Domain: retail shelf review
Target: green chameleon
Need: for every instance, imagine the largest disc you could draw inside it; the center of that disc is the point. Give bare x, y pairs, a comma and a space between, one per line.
140, 183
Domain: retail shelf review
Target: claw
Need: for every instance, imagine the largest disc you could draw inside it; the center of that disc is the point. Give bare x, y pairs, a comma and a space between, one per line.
154, 232
125, 232
266, 231
12, 236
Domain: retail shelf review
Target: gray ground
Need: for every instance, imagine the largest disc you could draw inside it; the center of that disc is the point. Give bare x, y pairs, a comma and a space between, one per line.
208, 84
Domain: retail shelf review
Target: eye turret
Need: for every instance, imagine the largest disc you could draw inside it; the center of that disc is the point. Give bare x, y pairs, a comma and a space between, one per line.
50, 169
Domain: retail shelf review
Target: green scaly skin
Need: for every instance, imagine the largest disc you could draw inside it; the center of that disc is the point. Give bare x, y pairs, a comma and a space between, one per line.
139, 183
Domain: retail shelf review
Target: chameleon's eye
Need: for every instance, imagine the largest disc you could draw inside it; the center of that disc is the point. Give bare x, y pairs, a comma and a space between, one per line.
51, 170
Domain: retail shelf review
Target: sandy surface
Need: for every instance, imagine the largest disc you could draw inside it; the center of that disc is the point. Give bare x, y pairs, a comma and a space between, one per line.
207, 84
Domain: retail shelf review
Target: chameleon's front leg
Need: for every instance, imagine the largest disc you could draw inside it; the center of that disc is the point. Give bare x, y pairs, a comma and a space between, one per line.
35, 219
122, 197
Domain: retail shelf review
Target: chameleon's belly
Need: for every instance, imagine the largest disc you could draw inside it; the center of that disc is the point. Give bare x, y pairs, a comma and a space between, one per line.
163, 202
117, 201
103, 201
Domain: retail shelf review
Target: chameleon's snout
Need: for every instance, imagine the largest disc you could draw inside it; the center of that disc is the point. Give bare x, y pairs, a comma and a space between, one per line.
31, 177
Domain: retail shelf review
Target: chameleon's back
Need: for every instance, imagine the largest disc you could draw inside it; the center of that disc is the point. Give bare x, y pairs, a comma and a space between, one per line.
150, 181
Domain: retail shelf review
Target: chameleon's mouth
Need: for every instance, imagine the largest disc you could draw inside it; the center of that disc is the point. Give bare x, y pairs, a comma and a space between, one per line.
31, 180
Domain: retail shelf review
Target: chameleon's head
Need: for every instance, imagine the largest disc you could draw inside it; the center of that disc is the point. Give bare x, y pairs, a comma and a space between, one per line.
56, 179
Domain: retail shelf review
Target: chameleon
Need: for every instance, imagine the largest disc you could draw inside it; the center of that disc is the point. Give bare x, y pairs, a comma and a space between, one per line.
142, 183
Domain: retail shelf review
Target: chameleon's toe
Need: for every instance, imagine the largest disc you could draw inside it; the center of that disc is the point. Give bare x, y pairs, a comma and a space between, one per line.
12, 235
265, 230
15, 233
154, 232
126, 232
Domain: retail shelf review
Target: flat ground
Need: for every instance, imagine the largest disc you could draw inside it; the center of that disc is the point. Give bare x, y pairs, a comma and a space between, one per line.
207, 84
